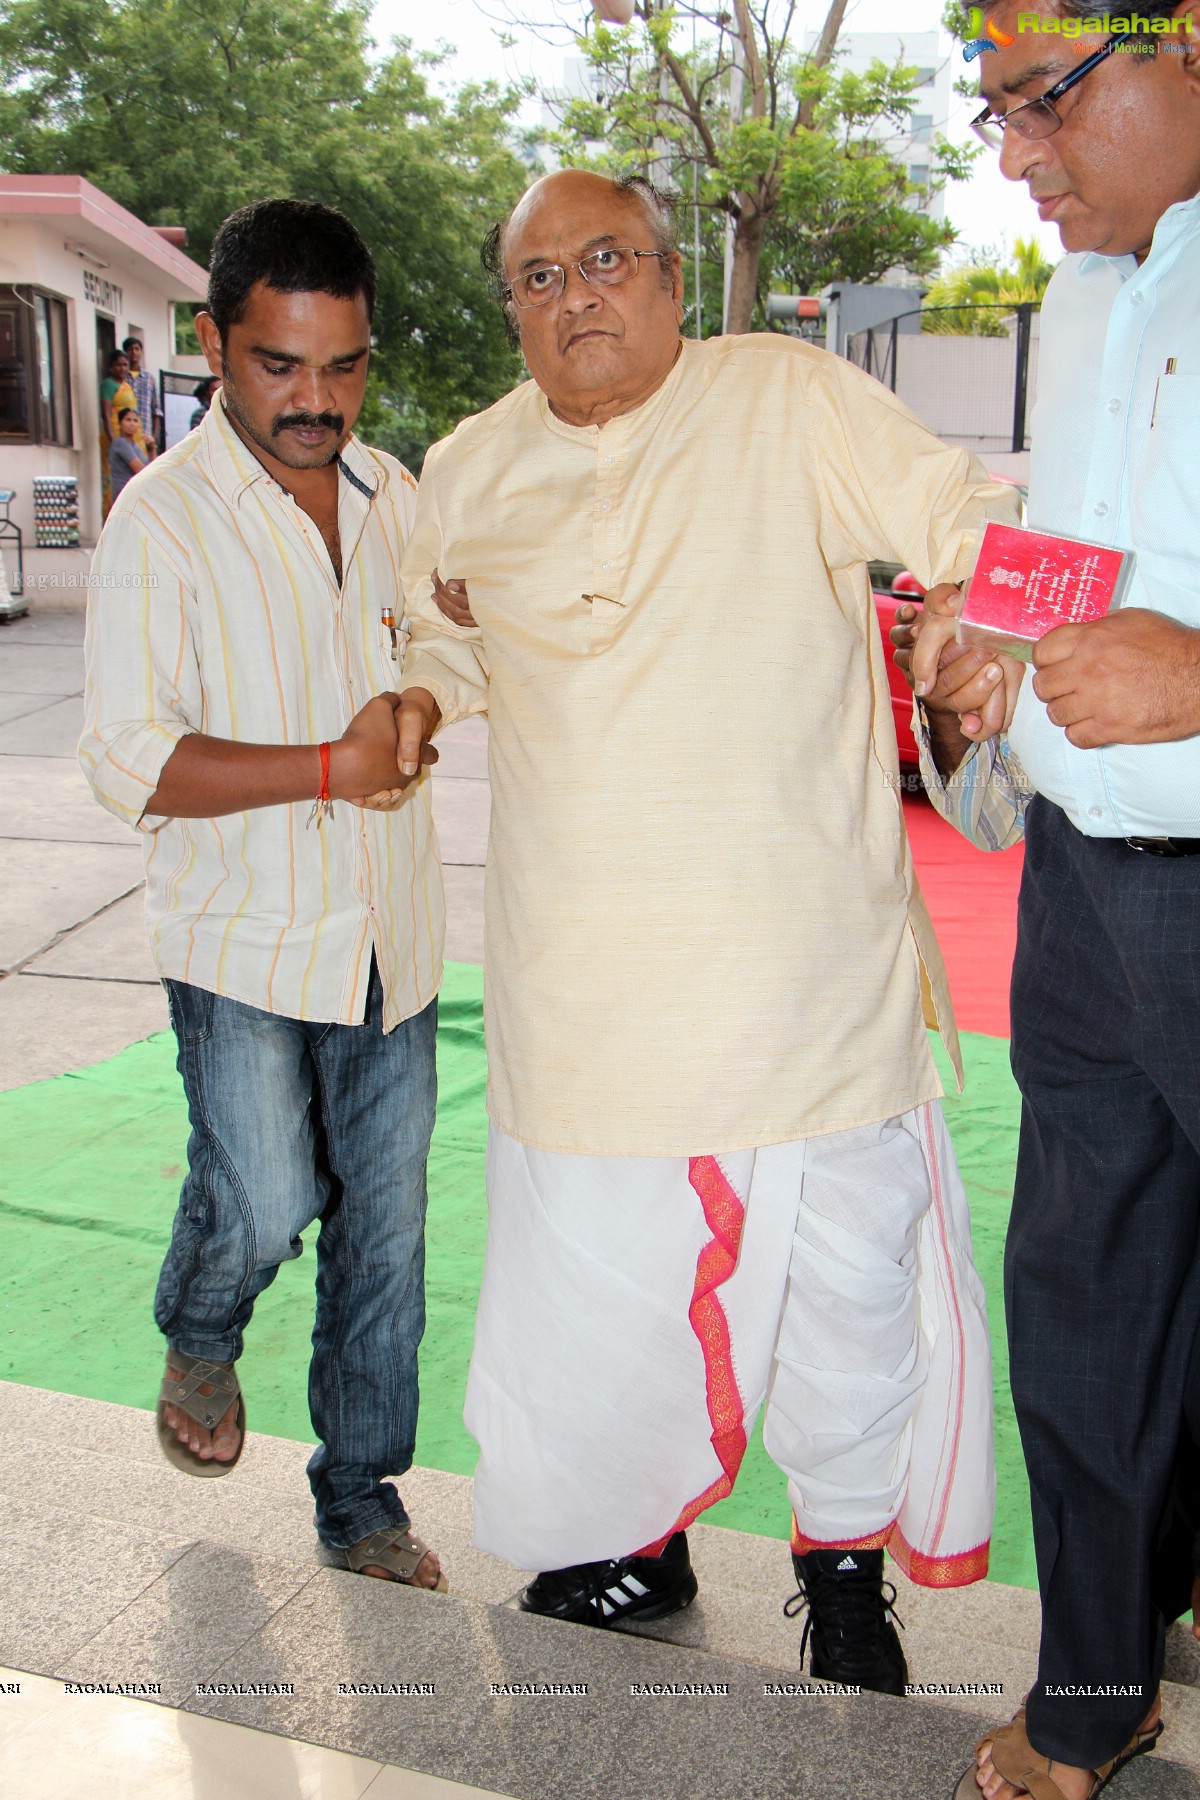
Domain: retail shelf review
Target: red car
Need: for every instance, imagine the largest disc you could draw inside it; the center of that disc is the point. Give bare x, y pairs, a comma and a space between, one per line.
893, 588
903, 588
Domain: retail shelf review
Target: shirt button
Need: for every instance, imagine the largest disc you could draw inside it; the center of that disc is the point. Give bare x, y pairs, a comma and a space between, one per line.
1101, 509
610, 459
1095, 812
606, 565
604, 505
1114, 406
1136, 298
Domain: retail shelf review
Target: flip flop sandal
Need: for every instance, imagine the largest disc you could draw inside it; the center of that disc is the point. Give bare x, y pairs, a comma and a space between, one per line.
398, 1551
207, 1409
1017, 1762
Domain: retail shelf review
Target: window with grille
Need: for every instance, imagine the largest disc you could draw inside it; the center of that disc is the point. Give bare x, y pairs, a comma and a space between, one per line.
35, 368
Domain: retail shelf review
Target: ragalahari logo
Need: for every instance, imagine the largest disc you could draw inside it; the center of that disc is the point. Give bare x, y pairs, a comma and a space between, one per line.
981, 36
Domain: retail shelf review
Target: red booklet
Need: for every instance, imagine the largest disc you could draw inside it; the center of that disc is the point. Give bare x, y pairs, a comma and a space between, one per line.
1027, 582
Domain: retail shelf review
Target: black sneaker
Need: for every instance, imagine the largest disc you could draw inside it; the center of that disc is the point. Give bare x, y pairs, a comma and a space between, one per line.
608, 1593
853, 1639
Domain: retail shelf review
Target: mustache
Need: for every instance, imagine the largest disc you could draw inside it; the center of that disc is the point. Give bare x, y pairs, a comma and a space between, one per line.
328, 421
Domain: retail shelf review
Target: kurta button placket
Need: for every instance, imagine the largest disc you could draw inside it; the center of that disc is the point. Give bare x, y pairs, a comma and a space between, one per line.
606, 601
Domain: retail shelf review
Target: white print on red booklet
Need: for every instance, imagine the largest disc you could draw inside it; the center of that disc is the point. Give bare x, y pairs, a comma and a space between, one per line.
1027, 582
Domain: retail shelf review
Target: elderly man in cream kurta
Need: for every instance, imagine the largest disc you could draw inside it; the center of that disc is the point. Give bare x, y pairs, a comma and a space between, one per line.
717, 1169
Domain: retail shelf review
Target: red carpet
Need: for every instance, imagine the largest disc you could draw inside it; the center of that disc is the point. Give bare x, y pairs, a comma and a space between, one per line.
972, 896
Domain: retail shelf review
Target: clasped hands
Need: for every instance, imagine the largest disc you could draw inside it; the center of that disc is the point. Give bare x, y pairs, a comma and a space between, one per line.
415, 713
382, 749
1132, 677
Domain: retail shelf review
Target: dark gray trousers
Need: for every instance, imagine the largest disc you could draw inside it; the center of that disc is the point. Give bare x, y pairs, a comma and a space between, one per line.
1102, 1267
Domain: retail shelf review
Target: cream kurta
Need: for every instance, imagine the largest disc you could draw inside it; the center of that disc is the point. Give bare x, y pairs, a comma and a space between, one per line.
703, 931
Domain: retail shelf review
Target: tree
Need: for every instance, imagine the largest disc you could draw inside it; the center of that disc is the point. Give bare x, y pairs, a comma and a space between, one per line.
785, 145
186, 109
985, 284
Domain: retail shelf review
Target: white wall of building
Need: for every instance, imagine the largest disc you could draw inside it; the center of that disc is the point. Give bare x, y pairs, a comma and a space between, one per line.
963, 387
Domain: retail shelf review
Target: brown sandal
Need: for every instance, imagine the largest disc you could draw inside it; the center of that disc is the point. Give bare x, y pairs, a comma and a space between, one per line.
197, 1374
398, 1551
1016, 1761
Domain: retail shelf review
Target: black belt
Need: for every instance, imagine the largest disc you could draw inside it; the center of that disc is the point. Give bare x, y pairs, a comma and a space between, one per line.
1165, 846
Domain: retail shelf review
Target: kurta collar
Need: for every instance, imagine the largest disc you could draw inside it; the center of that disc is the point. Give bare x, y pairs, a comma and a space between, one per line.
640, 415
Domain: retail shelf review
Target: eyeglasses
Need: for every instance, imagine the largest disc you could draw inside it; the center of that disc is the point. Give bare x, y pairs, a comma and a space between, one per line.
602, 268
1037, 118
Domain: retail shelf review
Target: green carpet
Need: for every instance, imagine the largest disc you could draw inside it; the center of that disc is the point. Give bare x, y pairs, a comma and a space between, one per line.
88, 1182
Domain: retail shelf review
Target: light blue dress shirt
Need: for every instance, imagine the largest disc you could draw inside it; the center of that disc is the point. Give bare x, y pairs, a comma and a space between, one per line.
1116, 459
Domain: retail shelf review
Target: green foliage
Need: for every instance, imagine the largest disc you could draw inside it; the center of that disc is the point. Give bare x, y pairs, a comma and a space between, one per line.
187, 341
805, 154
183, 110
986, 283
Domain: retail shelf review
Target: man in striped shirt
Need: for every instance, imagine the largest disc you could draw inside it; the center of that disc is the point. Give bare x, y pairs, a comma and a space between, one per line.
144, 383
239, 668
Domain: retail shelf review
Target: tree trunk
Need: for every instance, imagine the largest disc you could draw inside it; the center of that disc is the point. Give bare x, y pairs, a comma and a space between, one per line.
822, 52
747, 250
827, 42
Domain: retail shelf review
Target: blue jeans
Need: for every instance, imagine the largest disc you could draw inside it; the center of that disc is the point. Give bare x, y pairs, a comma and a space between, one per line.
292, 1122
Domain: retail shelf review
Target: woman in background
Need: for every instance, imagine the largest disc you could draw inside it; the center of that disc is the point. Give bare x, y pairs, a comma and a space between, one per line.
116, 396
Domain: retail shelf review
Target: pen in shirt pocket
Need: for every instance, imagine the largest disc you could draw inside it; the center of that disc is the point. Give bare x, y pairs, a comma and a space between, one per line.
1169, 370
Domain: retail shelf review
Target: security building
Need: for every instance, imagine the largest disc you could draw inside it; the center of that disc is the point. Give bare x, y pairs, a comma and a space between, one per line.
78, 274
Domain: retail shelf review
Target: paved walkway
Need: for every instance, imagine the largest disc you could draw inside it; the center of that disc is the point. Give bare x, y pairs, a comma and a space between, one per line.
212, 1601
76, 979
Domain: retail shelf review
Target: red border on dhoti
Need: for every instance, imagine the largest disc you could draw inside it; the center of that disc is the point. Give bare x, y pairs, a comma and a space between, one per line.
957, 1570
724, 1215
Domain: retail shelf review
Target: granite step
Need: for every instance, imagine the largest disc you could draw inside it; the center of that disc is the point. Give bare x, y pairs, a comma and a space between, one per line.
116, 1568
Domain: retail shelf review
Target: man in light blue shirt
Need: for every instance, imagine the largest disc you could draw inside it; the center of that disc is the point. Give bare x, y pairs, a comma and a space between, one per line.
1095, 757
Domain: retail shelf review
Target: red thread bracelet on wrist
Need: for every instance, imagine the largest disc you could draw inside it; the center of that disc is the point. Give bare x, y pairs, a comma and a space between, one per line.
322, 806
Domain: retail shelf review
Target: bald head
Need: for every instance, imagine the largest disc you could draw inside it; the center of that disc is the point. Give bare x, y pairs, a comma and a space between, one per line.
648, 209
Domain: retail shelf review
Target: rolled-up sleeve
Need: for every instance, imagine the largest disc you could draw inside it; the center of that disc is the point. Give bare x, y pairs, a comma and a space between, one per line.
986, 796
142, 691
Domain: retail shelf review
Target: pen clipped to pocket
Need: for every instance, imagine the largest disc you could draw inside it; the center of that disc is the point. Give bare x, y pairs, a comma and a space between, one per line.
1169, 370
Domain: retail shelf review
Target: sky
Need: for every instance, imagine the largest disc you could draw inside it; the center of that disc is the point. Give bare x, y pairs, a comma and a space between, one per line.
987, 211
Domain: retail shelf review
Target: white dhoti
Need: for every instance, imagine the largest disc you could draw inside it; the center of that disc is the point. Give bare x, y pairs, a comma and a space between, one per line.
637, 1311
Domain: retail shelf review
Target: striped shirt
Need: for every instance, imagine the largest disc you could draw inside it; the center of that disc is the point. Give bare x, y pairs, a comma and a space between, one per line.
145, 392
986, 796
215, 609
